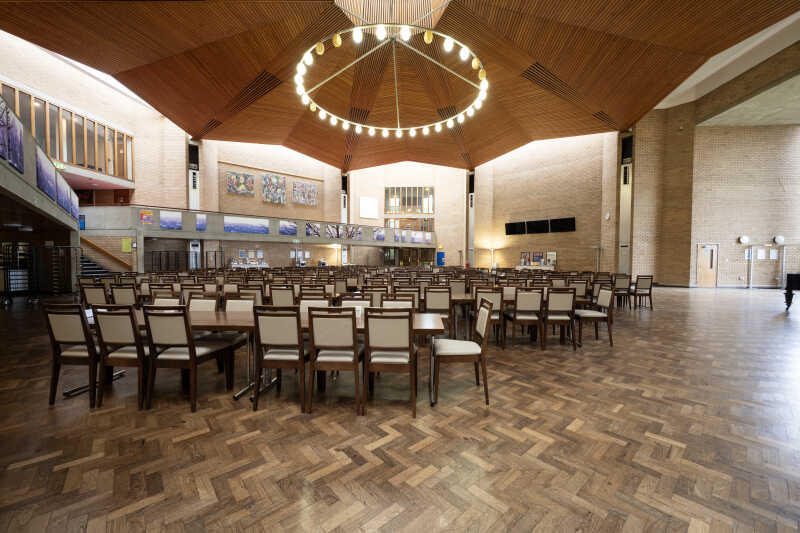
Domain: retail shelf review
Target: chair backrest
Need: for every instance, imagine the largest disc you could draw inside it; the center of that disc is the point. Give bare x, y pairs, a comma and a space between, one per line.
188, 290
558, 282
437, 299
596, 289
305, 303
168, 326
458, 286
340, 286
388, 330
509, 293
123, 294
561, 300
281, 296
210, 287
230, 288
605, 298
95, 295
528, 300
257, 293
405, 301
493, 295
144, 288
644, 283
622, 281
482, 321
239, 305
200, 303
409, 290
166, 302
375, 294
333, 328
356, 301
117, 327
278, 327
66, 324
579, 286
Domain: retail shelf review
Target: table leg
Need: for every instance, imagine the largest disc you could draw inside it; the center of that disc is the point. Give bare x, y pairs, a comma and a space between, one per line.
250, 383
431, 376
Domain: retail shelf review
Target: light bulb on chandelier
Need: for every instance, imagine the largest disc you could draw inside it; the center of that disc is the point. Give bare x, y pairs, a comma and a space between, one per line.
426, 130
464, 53
405, 33
448, 44
380, 32
358, 35
398, 133
358, 129
385, 133
438, 127
412, 132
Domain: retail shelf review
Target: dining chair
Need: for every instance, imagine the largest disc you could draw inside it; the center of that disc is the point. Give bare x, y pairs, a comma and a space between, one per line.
340, 286
166, 302
495, 296
643, 291
124, 295
188, 289
305, 303
121, 345
437, 300
72, 344
622, 289
527, 311
334, 346
356, 300
560, 312
389, 348
257, 293
465, 351
279, 345
403, 301
93, 295
602, 312
414, 291
281, 295
374, 292
172, 346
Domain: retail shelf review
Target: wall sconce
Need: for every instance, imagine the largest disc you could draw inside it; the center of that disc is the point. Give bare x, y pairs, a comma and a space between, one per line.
779, 239
744, 239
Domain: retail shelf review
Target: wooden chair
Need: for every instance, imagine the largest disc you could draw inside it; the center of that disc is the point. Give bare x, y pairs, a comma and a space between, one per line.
374, 292
458, 351
495, 296
356, 300
414, 291
601, 313
124, 295
389, 348
560, 312
527, 311
281, 295
397, 301
306, 303
121, 344
93, 295
279, 344
437, 300
643, 291
72, 344
334, 346
622, 289
172, 346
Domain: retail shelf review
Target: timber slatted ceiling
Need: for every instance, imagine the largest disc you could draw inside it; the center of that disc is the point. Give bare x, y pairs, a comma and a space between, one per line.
222, 69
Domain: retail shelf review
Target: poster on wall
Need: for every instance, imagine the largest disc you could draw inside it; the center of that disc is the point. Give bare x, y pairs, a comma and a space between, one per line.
126, 245
45, 174
240, 183
378, 234
4, 118
200, 222
305, 193
428, 237
417, 237
74, 205
242, 253
170, 220
246, 225
313, 229
350, 232
538, 257
16, 152
145, 216
404, 236
524, 258
396, 235
287, 227
260, 254
331, 231
551, 258
273, 188
62, 187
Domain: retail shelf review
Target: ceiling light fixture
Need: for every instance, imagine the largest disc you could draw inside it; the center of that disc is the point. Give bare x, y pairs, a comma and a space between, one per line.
394, 35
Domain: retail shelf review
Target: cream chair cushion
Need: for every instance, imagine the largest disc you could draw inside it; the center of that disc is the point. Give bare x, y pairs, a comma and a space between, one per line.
455, 347
558, 316
201, 349
128, 352
337, 356
283, 354
589, 313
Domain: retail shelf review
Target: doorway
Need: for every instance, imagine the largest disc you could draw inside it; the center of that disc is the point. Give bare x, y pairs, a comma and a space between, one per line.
707, 259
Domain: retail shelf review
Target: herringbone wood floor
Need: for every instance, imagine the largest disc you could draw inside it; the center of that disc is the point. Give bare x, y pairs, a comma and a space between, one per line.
688, 424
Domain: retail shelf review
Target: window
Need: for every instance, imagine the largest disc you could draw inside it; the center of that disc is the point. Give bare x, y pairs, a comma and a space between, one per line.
120, 155
416, 200
40, 122
8, 96
129, 157
25, 109
80, 145
54, 129
101, 148
110, 151
67, 143
90, 144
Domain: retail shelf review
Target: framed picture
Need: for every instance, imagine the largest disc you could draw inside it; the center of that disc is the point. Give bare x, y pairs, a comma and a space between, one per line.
45, 174
551, 258
313, 229
331, 231
240, 183
378, 234
5, 112
200, 222
273, 188
145, 216
524, 258
305, 193
287, 227
15, 147
170, 220
233, 224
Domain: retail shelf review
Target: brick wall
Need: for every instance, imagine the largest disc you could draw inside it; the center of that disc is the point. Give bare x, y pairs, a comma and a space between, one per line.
112, 245
648, 158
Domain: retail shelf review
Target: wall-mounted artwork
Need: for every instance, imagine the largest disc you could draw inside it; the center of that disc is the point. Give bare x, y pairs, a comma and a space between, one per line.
200, 222
74, 204
287, 227
313, 229
16, 152
396, 235
246, 225
524, 258
417, 237
405, 236
63, 190
304, 193
45, 174
5, 111
551, 258
538, 257
170, 220
332, 231
378, 234
240, 183
145, 216
273, 188
350, 232
428, 237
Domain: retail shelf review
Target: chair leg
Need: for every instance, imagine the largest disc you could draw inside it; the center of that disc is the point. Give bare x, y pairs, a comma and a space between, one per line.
650, 297
54, 373
359, 406
310, 386
220, 363
193, 388
102, 385
92, 383
142, 384
610, 340
596, 330
580, 332
230, 364
544, 335
151, 383
278, 381
435, 380
485, 380
257, 388
572, 330
477, 377
369, 384
413, 382
302, 384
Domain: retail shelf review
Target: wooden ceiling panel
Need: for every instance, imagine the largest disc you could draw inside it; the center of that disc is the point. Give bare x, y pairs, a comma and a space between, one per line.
223, 69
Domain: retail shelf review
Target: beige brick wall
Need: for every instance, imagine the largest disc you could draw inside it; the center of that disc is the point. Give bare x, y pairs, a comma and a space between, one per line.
746, 182
548, 179
648, 158
112, 245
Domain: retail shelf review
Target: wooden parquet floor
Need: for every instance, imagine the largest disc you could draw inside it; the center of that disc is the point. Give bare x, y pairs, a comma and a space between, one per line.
689, 423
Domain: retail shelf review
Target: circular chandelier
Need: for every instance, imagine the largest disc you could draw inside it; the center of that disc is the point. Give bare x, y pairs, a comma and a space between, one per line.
400, 34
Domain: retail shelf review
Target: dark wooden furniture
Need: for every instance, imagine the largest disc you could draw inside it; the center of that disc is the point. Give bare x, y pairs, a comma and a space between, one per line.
792, 284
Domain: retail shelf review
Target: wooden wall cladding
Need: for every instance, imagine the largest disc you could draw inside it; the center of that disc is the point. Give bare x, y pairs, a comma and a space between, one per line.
223, 69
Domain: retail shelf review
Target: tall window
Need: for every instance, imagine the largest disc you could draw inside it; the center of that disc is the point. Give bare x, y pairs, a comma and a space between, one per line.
120, 155
54, 129
24, 110
101, 148
67, 143
110, 151
79, 142
40, 122
8, 95
414, 200
90, 144
129, 157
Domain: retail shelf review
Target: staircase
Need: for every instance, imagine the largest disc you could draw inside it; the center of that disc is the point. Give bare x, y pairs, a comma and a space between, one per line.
90, 269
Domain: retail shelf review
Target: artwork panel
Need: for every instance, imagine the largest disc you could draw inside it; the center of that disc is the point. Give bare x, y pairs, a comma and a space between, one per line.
234, 224
287, 227
313, 229
170, 220
240, 183
45, 174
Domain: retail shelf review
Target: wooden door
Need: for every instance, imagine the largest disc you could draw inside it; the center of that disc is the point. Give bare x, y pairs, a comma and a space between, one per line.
707, 258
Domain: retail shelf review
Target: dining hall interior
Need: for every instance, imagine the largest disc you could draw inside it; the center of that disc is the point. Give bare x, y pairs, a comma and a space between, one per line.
381, 265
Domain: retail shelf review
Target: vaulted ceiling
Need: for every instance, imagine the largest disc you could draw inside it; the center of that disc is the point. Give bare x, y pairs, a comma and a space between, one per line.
223, 69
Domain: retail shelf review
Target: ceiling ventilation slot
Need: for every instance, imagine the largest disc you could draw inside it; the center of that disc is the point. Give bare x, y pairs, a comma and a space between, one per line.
359, 115
348, 160
538, 74
605, 119
264, 83
213, 123
467, 159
